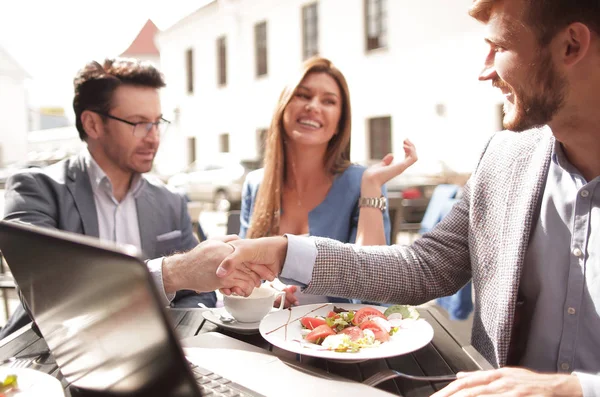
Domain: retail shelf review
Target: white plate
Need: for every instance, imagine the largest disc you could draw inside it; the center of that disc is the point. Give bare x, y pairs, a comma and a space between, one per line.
235, 326
33, 383
404, 341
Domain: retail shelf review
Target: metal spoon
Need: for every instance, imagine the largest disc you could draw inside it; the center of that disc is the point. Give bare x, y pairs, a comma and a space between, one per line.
225, 317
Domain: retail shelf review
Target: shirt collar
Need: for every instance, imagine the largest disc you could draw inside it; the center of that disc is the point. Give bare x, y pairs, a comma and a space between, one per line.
560, 158
100, 180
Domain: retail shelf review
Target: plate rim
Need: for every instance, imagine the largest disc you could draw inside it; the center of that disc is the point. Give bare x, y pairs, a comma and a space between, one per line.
364, 354
38, 375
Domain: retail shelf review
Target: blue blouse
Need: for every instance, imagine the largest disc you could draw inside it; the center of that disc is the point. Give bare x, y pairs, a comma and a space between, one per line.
335, 217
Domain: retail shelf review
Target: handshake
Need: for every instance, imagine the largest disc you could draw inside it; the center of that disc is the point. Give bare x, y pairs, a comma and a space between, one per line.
228, 264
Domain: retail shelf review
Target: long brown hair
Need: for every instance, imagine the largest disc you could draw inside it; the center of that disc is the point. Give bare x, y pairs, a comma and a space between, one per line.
267, 209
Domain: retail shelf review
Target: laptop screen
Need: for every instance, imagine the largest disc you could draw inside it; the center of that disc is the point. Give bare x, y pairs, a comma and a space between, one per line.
96, 306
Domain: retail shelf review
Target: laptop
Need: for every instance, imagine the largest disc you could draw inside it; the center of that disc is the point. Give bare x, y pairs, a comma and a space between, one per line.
96, 306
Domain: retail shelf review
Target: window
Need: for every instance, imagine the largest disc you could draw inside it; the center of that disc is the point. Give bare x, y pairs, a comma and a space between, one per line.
222, 60
500, 110
310, 31
224, 143
176, 116
191, 150
380, 137
440, 109
261, 142
375, 24
189, 69
260, 43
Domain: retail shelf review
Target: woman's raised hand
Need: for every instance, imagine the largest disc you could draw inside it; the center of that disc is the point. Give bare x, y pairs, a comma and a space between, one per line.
378, 174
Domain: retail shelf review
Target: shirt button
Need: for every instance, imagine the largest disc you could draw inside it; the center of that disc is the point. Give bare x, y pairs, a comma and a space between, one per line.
565, 366
577, 252
585, 193
571, 310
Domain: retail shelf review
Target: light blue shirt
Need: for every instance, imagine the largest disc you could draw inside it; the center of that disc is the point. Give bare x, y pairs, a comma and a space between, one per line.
561, 276
336, 217
118, 221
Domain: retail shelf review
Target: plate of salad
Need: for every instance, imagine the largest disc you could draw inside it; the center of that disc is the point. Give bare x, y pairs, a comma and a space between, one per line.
348, 331
26, 382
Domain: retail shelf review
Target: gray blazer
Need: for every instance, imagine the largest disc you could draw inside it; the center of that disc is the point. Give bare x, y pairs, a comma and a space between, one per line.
485, 236
60, 196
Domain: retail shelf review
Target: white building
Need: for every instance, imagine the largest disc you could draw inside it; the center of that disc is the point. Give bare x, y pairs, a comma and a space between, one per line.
13, 110
411, 67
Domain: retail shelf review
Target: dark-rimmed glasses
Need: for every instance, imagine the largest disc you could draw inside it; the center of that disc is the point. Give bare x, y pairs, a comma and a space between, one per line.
142, 128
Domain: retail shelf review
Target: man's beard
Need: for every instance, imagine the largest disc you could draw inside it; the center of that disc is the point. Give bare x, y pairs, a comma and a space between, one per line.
537, 104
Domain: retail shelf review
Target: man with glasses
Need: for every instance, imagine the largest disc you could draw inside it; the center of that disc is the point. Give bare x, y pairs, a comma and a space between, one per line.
102, 191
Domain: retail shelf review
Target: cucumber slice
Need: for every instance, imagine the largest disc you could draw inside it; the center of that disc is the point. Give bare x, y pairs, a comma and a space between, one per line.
405, 310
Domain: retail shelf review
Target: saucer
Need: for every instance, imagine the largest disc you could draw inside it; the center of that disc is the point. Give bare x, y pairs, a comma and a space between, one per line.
235, 326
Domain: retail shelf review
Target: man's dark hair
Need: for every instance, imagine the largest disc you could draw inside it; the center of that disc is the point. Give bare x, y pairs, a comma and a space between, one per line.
95, 84
548, 17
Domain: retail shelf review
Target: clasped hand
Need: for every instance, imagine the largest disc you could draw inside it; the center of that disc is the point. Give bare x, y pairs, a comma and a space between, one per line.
257, 258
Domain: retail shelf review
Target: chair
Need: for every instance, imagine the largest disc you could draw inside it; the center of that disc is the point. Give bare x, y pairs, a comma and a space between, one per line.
233, 222
7, 282
201, 235
412, 211
405, 215
194, 210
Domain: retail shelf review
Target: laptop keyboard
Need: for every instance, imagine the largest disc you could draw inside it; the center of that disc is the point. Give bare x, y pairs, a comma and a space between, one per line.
214, 385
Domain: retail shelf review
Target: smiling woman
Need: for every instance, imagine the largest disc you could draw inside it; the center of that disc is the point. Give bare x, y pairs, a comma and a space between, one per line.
307, 149
308, 185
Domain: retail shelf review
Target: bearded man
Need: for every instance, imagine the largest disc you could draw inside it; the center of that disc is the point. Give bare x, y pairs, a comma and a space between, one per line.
526, 229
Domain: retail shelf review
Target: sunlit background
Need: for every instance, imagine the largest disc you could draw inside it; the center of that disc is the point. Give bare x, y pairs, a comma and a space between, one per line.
411, 66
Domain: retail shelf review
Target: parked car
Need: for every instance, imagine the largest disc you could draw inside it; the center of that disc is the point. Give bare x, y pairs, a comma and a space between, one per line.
218, 181
10, 169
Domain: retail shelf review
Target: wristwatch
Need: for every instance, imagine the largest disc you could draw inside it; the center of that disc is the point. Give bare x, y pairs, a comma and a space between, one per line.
373, 202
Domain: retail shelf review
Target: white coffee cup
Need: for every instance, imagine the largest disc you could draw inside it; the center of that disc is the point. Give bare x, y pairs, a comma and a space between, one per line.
253, 308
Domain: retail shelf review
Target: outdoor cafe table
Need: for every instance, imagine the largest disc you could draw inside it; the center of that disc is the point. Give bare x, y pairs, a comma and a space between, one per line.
446, 354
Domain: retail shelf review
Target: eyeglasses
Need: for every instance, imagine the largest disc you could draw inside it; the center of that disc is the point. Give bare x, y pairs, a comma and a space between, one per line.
141, 129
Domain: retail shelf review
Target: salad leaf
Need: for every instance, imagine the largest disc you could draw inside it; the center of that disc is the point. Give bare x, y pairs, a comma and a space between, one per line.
338, 323
9, 383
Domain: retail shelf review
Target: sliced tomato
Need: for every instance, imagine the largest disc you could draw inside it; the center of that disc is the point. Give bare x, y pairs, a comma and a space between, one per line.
333, 314
312, 322
355, 333
321, 332
365, 314
380, 334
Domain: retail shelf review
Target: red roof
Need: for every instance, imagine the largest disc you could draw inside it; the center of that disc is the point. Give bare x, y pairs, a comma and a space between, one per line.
144, 42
